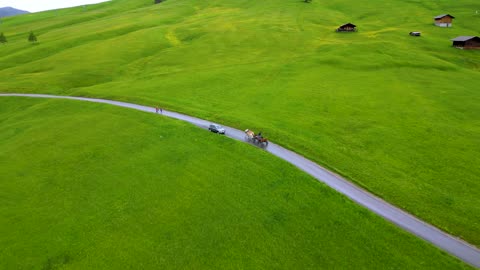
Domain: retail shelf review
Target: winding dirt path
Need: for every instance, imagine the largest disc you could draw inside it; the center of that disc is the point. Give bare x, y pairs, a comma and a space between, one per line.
454, 246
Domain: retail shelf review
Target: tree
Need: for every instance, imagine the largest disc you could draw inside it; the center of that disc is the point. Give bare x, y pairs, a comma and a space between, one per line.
3, 39
307, 1
158, 1
32, 38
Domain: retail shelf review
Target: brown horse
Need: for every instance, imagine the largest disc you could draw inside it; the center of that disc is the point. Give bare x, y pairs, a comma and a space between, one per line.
260, 140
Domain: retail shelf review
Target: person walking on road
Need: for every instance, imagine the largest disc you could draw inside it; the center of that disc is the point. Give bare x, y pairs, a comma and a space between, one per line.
161, 111
156, 109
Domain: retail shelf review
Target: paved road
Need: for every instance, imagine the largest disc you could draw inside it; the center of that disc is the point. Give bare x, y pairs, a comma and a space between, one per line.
461, 249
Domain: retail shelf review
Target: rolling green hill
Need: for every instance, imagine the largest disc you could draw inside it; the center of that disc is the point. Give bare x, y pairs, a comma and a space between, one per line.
396, 114
92, 186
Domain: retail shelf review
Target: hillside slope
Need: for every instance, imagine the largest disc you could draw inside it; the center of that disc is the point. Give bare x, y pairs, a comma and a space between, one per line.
113, 188
393, 113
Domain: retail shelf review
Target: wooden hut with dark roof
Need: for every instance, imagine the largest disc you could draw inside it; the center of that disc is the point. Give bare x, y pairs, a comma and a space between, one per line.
348, 27
467, 42
444, 20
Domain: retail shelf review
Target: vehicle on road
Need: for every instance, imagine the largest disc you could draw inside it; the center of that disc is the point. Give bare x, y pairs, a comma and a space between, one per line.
257, 139
216, 129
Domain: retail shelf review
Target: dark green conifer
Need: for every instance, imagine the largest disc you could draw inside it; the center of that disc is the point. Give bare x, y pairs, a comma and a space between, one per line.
32, 38
3, 39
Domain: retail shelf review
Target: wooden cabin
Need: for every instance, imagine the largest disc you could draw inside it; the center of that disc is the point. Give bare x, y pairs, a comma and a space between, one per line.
467, 42
348, 27
444, 20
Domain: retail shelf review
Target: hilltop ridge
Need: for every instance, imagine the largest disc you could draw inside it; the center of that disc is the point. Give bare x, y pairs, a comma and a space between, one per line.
10, 11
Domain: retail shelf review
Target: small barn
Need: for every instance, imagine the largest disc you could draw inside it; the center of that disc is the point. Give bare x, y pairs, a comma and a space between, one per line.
467, 42
444, 20
348, 27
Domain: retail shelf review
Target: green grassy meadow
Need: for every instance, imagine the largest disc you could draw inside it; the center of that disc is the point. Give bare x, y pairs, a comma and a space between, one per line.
93, 186
395, 114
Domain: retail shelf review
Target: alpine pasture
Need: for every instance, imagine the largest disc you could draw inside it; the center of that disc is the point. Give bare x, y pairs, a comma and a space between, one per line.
92, 186
397, 115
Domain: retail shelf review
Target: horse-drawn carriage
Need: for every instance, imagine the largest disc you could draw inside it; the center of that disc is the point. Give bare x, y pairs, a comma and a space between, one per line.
257, 139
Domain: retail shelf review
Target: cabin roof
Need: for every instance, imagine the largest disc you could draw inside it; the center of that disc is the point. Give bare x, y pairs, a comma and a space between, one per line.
348, 24
443, 15
464, 38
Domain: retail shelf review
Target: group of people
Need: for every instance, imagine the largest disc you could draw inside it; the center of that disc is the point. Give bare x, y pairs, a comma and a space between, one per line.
157, 109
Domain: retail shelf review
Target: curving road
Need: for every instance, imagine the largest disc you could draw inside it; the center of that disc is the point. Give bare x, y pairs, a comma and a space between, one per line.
459, 248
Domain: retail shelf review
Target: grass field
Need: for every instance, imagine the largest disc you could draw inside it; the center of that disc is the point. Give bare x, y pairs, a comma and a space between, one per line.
398, 115
91, 186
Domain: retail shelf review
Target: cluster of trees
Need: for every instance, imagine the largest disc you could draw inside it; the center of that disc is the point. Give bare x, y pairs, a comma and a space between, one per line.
31, 38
